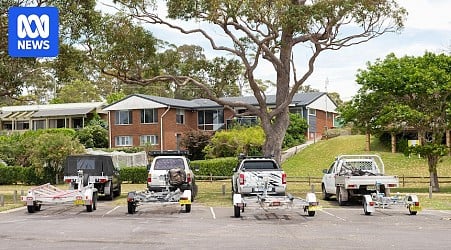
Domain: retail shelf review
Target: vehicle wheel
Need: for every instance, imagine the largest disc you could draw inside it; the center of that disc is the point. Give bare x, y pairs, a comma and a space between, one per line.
365, 208
94, 201
111, 196
326, 196
89, 208
131, 207
31, 209
236, 211
188, 208
340, 200
311, 213
37, 207
119, 190
412, 212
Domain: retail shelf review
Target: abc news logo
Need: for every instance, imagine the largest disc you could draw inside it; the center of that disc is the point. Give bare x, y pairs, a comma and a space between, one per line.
33, 32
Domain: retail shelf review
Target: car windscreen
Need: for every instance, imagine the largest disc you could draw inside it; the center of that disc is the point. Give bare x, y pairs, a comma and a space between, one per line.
260, 165
168, 163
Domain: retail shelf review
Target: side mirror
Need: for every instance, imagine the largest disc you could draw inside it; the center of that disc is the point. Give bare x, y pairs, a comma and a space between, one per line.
324, 171
148, 167
196, 168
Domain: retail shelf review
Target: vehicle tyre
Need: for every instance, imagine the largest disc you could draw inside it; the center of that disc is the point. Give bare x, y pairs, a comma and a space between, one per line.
89, 208
236, 211
188, 208
37, 207
110, 197
119, 190
94, 201
31, 209
326, 196
340, 200
365, 208
131, 208
311, 213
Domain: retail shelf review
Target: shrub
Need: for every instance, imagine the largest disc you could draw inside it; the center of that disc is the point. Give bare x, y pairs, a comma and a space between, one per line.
216, 167
134, 174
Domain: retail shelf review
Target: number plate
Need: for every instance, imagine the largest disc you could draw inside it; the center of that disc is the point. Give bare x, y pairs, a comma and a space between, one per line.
415, 208
314, 208
185, 202
79, 202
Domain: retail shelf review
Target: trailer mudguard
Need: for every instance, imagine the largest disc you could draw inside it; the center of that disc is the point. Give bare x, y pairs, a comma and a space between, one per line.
237, 200
369, 206
311, 197
185, 199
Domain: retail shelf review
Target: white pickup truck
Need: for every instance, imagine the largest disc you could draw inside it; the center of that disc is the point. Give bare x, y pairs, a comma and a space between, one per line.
353, 176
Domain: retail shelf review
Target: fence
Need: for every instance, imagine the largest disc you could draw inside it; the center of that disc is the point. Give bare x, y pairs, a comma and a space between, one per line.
404, 181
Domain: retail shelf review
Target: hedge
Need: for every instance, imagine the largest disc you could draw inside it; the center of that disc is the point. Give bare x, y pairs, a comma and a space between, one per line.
216, 167
134, 174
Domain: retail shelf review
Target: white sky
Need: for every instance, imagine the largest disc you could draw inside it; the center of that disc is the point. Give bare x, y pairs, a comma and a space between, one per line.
428, 28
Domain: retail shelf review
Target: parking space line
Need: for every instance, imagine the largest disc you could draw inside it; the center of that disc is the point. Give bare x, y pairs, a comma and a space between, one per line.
112, 210
333, 215
213, 213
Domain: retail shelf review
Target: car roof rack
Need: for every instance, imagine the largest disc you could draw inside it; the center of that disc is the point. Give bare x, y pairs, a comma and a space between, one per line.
168, 152
243, 156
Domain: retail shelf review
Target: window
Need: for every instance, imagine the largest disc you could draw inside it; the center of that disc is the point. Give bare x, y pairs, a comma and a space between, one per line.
57, 123
38, 124
123, 117
124, 141
22, 125
312, 112
169, 163
180, 116
148, 140
210, 119
260, 165
149, 116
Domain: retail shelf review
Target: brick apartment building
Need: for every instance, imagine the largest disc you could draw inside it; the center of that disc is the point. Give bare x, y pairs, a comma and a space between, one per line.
139, 120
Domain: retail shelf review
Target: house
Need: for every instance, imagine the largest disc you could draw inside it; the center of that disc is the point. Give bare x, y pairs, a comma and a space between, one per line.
139, 120
34, 117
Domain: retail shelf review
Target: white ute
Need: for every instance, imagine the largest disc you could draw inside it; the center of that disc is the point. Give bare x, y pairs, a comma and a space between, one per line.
260, 181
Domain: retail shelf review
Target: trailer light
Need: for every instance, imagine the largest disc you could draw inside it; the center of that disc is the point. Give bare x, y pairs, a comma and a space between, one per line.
313, 203
284, 178
275, 204
67, 180
372, 203
352, 186
79, 198
29, 198
392, 185
188, 178
102, 180
184, 198
416, 204
130, 199
241, 179
149, 178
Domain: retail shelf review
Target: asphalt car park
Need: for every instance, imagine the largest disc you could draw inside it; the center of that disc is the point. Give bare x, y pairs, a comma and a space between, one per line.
167, 226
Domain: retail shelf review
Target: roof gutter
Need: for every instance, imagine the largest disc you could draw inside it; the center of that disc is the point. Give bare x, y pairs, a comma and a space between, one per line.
161, 127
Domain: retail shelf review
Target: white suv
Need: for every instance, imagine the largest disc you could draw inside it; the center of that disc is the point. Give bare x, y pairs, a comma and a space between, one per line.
170, 169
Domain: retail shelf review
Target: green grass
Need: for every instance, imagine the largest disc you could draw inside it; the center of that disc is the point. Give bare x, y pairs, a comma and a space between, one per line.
310, 162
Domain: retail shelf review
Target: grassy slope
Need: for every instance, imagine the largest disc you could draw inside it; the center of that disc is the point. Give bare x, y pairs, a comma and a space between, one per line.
316, 157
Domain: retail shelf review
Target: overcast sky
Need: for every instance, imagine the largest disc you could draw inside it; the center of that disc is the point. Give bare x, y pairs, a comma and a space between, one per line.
428, 28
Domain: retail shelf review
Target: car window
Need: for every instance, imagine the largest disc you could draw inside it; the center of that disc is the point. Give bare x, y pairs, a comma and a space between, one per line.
168, 163
331, 169
260, 165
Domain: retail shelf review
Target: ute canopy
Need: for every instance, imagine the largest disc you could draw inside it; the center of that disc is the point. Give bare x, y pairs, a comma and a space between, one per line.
90, 164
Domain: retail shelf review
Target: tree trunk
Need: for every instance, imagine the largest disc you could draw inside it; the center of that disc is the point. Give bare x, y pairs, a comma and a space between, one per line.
275, 133
448, 141
433, 177
393, 142
368, 141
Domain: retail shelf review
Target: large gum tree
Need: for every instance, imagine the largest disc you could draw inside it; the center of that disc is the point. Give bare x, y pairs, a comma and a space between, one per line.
279, 33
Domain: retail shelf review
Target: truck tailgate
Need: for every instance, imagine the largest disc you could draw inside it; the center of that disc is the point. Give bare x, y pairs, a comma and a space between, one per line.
354, 182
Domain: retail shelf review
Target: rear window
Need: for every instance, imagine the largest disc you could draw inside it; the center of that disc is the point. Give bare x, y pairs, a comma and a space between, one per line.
260, 165
168, 163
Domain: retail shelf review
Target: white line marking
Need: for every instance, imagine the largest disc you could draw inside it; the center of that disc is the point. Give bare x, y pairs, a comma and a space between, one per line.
333, 215
112, 210
213, 213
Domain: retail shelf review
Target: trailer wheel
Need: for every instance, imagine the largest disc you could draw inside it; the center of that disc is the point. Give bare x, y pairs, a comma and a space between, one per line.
236, 211
37, 207
188, 208
111, 196
365, 208
94, 201
31, 209
311, 213
131, 207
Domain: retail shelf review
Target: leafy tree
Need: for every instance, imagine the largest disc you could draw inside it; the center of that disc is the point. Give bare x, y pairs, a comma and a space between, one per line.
195, 141
93, 136
407, 92
272, 31
78, 91
295, 132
